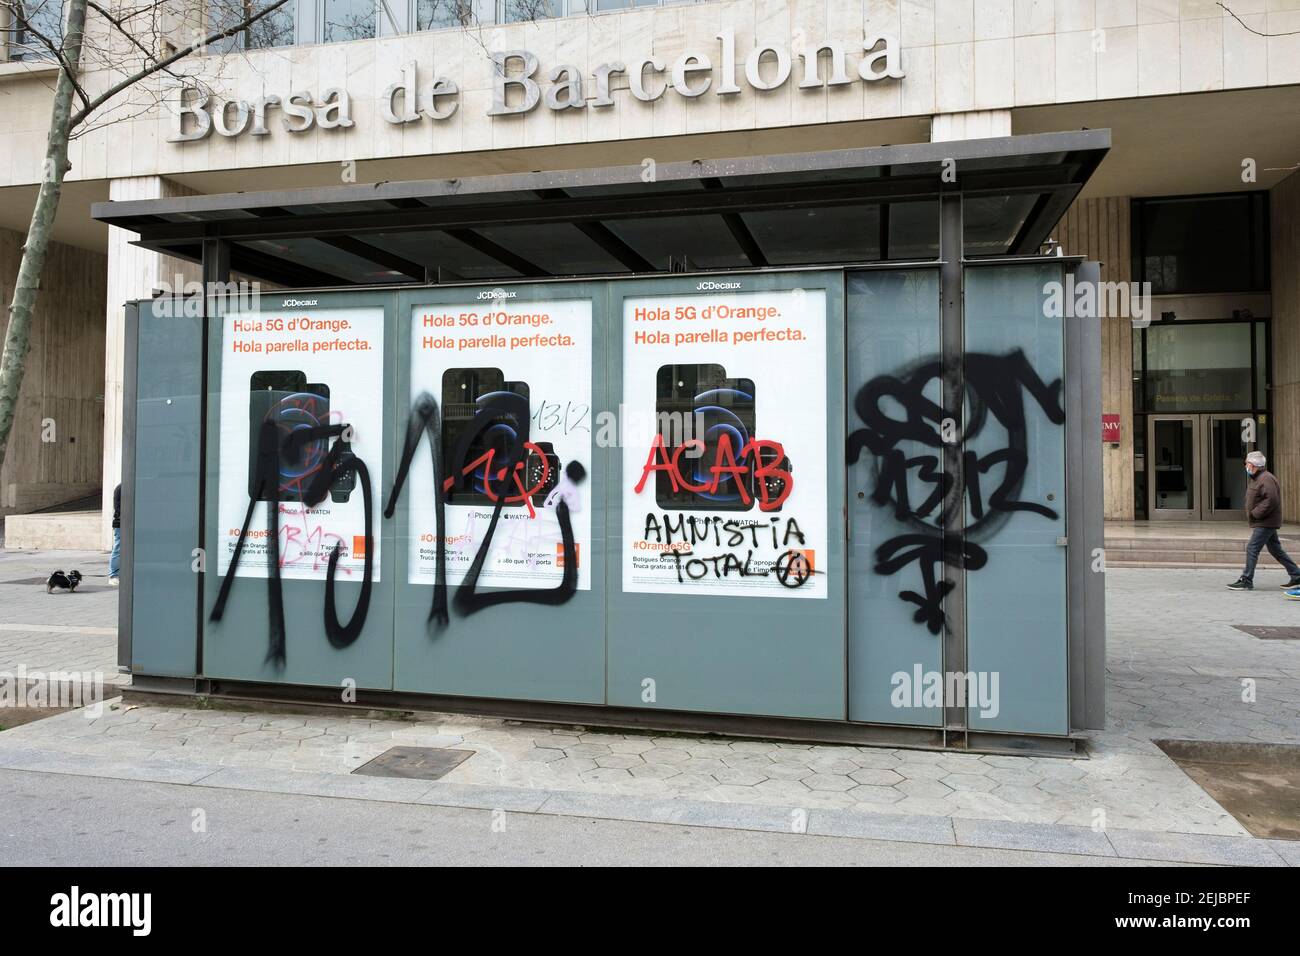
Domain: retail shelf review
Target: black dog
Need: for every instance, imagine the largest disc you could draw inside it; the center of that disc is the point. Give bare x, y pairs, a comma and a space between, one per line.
64, 582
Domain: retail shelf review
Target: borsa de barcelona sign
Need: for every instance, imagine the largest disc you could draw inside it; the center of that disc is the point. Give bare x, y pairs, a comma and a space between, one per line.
520, 85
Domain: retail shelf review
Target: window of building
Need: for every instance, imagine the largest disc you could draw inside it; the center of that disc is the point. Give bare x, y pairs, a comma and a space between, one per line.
348, 20
30, 21
1198, 367
443, 14
602, 5
277, 28
1193, 244
1214, 371
517, 11
334, 21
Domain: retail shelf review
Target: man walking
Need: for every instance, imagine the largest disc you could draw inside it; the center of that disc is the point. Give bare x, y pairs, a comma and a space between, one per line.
1264, 513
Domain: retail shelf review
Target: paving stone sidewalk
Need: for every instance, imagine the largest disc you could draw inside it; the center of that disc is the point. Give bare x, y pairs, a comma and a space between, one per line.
1176, 670
61, 631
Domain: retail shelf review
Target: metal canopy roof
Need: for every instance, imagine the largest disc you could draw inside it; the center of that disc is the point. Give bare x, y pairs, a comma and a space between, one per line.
835, 207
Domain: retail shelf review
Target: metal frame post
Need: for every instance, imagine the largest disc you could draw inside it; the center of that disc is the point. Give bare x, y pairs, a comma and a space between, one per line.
126, 559
1085, 527
953, 346
216, 269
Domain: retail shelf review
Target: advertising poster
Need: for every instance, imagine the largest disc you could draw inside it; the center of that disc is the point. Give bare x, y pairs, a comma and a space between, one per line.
724, 444
300, 368
513, 385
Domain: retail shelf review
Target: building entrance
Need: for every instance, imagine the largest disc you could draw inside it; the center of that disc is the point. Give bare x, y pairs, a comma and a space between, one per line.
1201, 402
1196, 466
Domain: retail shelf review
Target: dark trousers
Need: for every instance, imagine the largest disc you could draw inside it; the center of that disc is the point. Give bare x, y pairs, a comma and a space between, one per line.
1261, 538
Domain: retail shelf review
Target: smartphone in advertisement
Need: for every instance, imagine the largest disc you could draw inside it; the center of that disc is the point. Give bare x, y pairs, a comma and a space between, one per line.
700, 403
266, 390
465, 393
286, 399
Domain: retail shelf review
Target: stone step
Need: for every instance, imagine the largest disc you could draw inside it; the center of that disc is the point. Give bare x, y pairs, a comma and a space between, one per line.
1185, 545
1177, 565
54, 531
1185, 557
1266, 563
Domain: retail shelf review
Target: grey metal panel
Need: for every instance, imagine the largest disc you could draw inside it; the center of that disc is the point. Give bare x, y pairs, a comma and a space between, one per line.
1016, 594
164, 501
778, 657
1087, 534
953, 349
215, 263
1076, 558
892, 327
237, 646
126, 575
524, 650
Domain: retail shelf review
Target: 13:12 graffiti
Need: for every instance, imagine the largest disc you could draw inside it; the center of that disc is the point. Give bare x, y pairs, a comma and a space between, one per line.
568, 417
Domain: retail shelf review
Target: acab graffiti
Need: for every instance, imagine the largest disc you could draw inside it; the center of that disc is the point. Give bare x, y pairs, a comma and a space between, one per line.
701, 480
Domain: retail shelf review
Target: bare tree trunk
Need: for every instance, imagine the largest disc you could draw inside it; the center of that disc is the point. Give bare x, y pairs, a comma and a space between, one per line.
18, 334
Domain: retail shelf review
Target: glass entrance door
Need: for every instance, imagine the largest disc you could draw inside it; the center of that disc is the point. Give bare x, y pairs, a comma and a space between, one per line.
1195, 467
1172, 450
1225, 475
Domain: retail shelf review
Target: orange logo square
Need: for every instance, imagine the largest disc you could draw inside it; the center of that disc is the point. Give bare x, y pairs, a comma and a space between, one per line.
796, 566
358, 546
559, 554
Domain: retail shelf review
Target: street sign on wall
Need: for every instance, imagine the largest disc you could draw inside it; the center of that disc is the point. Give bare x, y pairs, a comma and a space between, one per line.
1110, 429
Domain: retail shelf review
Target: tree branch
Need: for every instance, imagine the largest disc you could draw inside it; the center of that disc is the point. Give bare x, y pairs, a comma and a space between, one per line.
160, 65
1245, 26
49, 45
144, 9
121, 28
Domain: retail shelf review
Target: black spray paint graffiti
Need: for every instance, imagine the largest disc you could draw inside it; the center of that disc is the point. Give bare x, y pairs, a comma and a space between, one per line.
266, 469
506, 461
425, 418
676, 535
995, 387
340, 463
